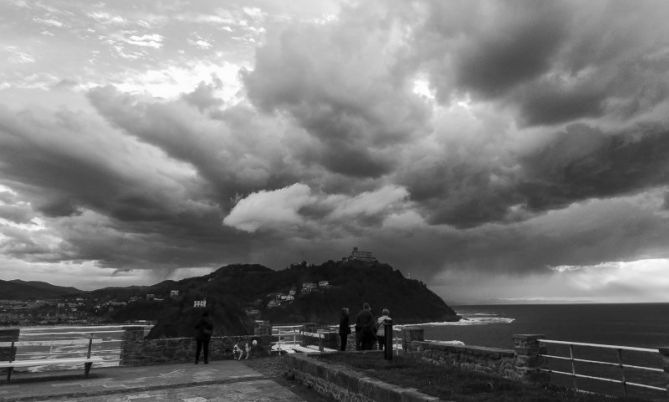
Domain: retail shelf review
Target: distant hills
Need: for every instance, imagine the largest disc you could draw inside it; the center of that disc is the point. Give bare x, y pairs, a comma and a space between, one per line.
237, 295
21, 290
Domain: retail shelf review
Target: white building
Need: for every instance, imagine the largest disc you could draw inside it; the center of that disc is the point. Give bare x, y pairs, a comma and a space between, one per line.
307, 287
200, 303
359, 255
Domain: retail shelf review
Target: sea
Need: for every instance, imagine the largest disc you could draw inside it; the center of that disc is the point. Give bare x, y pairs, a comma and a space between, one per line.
642, 325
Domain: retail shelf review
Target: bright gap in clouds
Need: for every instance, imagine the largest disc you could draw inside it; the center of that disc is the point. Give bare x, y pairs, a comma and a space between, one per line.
421, 87
173, 81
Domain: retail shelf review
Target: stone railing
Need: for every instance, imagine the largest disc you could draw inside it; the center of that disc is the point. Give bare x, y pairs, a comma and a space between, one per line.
138, 351
522, 363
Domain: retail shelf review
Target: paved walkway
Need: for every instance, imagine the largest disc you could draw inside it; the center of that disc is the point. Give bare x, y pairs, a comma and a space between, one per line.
226, 380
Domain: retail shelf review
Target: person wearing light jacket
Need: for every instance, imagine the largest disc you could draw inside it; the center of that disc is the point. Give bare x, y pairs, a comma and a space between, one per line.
380, 327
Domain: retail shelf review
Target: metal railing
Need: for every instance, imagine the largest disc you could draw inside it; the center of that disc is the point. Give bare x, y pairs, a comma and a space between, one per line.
39, 343
620, 364
286, 335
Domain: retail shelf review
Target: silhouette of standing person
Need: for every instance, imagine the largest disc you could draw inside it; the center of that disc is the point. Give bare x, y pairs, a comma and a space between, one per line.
344, 328
367, 324
203, 330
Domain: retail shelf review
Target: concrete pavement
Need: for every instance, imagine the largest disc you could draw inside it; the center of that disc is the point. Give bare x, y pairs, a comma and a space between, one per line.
226, 380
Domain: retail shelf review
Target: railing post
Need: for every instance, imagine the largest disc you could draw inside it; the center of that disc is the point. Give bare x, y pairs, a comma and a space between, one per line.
622, 370
90, 346
388, 335
131, 345
573, 367
664, 352
528, 358
410, 334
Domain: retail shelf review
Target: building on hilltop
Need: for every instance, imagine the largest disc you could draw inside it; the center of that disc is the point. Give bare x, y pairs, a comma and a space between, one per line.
359, 255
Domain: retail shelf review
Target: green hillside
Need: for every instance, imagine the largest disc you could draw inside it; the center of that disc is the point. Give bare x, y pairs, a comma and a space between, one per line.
237, 295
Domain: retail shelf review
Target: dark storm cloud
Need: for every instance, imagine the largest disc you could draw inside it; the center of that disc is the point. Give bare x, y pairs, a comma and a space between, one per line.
338, 83
552, 62
104, 203
583, 163
576, 164
233, 155
548, 104
517, 47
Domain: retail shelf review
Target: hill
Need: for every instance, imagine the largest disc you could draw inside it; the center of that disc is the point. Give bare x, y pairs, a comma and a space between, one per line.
21, 290
237, 295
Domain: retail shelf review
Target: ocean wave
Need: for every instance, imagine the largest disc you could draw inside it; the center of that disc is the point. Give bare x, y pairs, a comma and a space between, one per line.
469, 320
478, 314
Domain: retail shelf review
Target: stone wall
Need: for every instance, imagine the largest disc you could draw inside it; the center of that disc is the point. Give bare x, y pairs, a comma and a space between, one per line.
344, 384
137, 351
523, 363
491, 361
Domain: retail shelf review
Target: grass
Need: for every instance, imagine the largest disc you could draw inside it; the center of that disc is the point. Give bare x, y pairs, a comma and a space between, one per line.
459, 385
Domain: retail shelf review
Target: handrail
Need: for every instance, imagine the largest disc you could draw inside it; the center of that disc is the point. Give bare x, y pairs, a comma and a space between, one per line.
619, 364
31, 329
73, 333
598, 345
60, 342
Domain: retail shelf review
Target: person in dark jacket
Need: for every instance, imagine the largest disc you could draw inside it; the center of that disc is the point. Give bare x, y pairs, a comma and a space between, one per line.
344, 328
366, 323
203, 330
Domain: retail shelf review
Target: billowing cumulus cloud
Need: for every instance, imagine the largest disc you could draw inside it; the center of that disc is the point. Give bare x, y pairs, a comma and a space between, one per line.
475, 145
297, 208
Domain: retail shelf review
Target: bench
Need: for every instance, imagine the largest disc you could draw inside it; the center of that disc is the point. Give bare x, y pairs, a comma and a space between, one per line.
10, 363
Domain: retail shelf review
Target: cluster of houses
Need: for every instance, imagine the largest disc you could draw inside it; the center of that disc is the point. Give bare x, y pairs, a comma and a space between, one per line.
279, 298
47, 311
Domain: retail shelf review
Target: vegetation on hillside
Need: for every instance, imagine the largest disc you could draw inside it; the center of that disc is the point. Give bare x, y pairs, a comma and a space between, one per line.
236, 295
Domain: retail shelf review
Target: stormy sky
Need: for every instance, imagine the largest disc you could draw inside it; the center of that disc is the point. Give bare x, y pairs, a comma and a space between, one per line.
500, 151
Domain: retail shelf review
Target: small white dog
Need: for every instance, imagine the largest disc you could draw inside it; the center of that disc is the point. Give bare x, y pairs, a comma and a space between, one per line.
237, 352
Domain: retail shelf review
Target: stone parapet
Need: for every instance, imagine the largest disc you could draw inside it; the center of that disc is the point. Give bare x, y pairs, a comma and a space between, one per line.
479, 359
529, 360
410, 334
137, 351
345, 384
